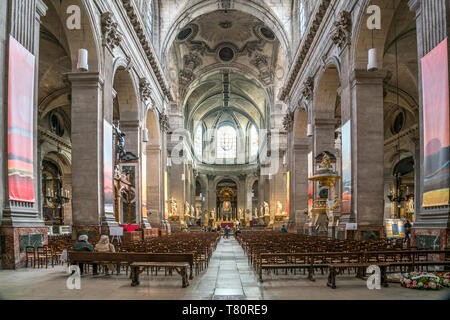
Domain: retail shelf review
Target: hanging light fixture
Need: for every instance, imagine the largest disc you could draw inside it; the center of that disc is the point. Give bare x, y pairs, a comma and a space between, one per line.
309, 131
83, 60
372, 66
145, 137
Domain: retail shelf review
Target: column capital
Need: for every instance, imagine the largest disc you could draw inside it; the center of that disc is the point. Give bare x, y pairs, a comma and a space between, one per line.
324, 122
85, 79
301, 144
414, 5
362, 77
130, 124
41, 8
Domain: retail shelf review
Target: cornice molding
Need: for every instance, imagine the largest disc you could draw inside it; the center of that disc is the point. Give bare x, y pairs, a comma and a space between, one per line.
306, 45
148, 48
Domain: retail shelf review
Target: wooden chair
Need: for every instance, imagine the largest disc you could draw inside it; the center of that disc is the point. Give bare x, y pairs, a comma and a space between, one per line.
30, 255
43, 254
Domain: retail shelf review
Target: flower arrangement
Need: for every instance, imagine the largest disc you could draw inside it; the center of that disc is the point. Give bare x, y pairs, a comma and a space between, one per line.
445, 279
421, 281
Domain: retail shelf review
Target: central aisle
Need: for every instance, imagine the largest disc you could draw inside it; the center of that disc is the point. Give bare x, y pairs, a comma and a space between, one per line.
229, 274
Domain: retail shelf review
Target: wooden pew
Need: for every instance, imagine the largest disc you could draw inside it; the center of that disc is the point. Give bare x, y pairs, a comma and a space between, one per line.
132, 257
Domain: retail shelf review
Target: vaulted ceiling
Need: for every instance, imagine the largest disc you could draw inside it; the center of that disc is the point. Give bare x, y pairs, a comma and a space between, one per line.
222, 66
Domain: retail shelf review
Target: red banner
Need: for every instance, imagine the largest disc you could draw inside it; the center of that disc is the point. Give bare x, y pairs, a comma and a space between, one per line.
20, 123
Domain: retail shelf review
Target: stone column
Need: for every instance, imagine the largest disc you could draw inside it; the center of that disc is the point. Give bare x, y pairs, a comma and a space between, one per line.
154, 185
87, 154
324, 135
367, 131
19, 220
431, 224
299, 176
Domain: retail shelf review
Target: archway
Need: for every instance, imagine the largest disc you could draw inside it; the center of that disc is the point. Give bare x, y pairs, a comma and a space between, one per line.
226, 205
127, 146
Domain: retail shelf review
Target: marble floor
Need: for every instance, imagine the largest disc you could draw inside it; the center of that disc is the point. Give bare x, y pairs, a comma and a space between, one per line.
228, 277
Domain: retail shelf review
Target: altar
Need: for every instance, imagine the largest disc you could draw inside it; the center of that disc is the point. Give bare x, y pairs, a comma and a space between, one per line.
225, 224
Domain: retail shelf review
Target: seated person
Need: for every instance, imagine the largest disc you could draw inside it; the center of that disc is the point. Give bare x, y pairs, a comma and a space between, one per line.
104, 246
84, 245
283, 229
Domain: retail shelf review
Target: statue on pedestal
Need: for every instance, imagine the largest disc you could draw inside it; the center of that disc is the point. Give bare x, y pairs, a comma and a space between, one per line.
173, 213
192, 213
266, 209
187, 209
206, 221
241, 214
213, 217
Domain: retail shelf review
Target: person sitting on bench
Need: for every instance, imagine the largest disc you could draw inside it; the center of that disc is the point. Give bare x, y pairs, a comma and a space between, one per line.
84, 245
104, 246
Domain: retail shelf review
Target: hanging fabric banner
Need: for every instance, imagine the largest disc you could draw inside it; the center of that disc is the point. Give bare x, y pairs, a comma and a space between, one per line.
346, 168
144, 185
20, 123
108, 182
436, 133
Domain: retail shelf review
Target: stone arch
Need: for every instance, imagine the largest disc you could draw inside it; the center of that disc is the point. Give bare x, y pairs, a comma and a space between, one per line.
126, 95
89, 37
362, 36
326, 92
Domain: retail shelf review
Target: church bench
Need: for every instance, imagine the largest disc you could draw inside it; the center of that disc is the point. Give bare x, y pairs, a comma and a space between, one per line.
334, 270
179, 267
130, 257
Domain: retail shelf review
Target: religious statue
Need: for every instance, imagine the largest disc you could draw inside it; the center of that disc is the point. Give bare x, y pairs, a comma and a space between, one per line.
213, 214
255, 215
198, 213
187, 208
173, 214
241, 214
261, 212
226, 210
121, 141
279, 211
326, 162
247, 218
206, 221
279, 207
192, 211
266, 209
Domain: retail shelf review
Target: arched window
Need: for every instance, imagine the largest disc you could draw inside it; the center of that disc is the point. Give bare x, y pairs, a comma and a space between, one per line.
254, 141
302, 17
198, 141
226, 142
149, 18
